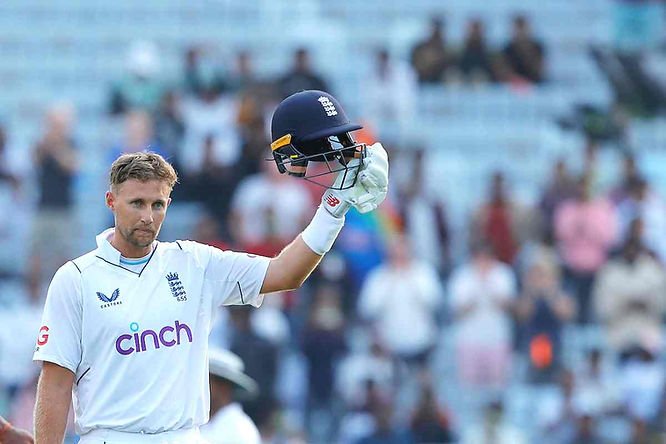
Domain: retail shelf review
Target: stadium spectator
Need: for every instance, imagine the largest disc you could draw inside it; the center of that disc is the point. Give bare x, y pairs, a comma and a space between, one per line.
267, 210
139, 135
659, 424
494, 428
630, 297
644, 203
253, 136
557, 410
201, 75
301, 76
56, 163
543, 310
482, 293
423, 214
211, 149
630, 176
140, 87
430, 423
359, 422
255, 98
586, 430
243, 79
261, 362
20, 317
323, 344
476, 62
524, 54
8, 176
502, 221
641, 381
389, 96
170, 127
209, 117
591, 166
384, 304
213, 185
585, 229
363, 245
386, 431
207, 231
364, 366
597, 383
13, 200
562, 186
431, 58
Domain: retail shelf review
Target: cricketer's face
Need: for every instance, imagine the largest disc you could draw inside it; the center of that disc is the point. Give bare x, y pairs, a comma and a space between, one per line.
139, 209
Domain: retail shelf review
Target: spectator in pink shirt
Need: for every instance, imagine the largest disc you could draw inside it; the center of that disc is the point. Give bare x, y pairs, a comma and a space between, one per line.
585, 229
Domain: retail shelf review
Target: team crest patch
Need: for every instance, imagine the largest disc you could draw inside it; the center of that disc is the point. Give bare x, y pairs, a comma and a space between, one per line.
176, 286
109, 301
329, 108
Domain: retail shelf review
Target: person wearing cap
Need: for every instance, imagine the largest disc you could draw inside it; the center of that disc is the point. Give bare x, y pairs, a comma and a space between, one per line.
228, 423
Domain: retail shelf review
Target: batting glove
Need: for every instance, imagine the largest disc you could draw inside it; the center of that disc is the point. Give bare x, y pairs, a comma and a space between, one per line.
370, 188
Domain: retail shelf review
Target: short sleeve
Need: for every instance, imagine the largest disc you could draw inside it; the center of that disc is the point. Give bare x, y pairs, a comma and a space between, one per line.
236, 278
59, 336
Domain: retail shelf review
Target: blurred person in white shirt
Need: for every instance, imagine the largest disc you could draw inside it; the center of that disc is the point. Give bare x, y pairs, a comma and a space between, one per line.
210, 116
630, 297
267, 210
482, 293
400, 299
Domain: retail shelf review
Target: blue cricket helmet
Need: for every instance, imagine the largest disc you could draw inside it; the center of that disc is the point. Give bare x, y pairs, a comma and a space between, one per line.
311, 126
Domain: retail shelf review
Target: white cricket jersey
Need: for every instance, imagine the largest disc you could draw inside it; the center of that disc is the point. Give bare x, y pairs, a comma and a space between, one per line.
137, 342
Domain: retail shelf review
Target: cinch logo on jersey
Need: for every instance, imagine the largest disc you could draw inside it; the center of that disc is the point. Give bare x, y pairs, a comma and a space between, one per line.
328, 106
109, 301
168, 336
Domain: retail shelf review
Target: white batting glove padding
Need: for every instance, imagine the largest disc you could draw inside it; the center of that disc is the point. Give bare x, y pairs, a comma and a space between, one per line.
373, 178
374, 173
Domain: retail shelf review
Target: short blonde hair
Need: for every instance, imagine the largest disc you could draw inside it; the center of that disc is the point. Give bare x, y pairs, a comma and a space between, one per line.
142, 166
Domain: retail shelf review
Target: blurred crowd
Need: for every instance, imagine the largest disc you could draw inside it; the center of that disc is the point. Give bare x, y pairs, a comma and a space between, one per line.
397, 337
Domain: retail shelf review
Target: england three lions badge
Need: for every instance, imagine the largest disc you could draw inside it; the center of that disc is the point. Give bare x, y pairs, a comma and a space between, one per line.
176, 286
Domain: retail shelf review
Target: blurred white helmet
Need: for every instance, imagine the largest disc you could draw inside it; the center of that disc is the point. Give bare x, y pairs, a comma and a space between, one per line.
229, 366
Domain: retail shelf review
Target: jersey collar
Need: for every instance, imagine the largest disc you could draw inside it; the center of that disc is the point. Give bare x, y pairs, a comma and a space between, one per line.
104, 248
107, 251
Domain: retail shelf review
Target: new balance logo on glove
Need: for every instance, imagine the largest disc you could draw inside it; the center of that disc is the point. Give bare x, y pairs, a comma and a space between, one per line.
332, 200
